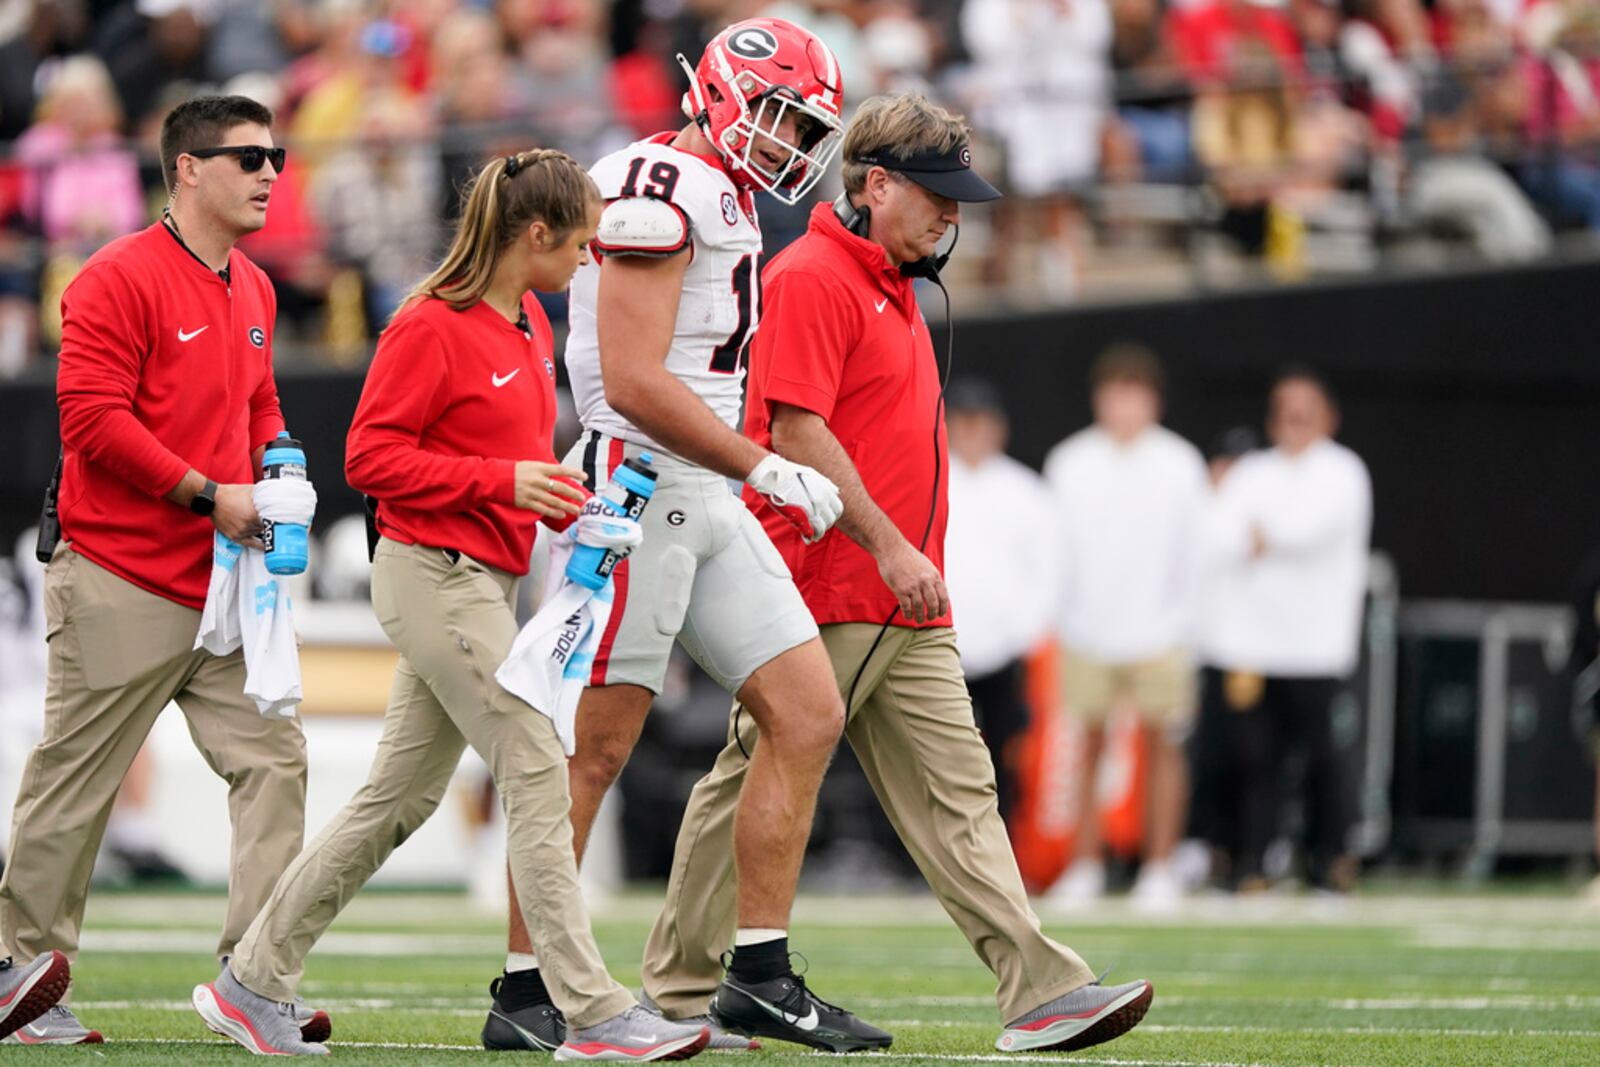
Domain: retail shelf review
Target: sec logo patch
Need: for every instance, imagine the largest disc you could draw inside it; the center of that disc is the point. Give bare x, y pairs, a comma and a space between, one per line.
258, 336
730, 210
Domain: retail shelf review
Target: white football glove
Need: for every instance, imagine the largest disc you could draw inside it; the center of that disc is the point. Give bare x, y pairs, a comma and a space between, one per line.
801, 495
600, 527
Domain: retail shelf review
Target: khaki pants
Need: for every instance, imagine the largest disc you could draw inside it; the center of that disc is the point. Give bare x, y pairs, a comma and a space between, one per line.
912, 730
453, 625
118, 655
1163, 688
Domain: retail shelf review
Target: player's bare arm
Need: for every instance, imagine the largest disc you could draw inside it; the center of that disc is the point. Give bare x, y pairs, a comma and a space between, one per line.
804, 437
636, 313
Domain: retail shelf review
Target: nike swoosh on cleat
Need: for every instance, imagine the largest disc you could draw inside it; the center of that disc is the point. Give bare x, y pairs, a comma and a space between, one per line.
807, 1022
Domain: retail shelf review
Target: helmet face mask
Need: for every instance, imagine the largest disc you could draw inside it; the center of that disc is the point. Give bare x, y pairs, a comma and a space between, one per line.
756, 78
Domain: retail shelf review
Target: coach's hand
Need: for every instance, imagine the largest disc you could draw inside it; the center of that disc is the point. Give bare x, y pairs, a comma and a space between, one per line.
235, 515
801, 495
915, 582
540, 489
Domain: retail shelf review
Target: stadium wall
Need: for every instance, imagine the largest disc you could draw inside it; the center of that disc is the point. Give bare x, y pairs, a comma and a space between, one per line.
1473, 397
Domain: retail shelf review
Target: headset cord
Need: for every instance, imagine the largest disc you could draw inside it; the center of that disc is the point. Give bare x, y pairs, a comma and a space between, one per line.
938, 469
933, 506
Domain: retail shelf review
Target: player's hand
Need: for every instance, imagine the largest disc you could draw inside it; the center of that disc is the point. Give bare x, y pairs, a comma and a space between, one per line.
915, 582
235, 515
801, 495
540, 489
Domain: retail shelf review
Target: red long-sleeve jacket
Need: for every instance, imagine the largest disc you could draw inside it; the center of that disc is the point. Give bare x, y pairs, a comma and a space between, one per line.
452, 401
164, 366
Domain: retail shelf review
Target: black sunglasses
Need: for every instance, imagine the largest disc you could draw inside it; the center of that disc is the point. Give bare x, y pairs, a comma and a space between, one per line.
250, 156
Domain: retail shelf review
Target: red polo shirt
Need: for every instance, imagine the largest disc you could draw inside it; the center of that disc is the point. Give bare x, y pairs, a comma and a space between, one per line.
164, 366
841, 335
452, 401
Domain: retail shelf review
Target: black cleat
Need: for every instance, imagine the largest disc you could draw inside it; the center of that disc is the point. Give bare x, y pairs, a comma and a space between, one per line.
785, 1009
535, 1027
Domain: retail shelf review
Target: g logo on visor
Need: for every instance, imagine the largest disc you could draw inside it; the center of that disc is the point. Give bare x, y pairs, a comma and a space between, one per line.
753, 43
966, 156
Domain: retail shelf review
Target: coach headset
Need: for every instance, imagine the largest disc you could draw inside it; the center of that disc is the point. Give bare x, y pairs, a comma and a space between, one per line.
943, 173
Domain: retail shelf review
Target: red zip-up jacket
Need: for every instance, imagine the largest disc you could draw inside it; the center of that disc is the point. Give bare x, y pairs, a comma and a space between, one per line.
452, 401
164, 366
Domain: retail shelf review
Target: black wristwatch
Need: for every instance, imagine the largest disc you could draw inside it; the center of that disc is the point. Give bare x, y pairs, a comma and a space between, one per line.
205, 501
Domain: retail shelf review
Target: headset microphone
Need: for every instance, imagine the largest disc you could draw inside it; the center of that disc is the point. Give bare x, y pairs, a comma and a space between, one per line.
858, 220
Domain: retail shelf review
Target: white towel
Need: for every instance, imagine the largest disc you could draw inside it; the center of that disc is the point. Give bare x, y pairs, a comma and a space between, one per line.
247, 606
549, 662
290, 500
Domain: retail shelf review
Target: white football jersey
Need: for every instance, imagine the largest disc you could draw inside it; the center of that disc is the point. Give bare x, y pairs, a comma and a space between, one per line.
721, 299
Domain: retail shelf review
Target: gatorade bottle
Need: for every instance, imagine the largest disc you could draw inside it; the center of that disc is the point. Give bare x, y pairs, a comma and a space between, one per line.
285, 542
627, 493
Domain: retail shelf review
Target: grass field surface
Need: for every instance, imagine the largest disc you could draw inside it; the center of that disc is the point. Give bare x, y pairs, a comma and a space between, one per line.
1442, 981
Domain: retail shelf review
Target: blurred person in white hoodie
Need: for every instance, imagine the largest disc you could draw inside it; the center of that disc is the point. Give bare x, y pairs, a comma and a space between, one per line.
1286, 538
1001, 584
1129, 494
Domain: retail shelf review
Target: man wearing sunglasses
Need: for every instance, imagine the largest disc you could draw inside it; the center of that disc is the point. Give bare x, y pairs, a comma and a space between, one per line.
167, 401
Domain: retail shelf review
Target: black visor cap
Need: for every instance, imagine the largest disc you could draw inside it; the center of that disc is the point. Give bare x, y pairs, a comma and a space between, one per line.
947, 174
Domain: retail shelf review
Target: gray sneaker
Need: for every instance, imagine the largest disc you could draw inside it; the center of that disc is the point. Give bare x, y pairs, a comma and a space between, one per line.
28, 992
263, 1026
57, 1026
721, 1040
638, 1035
315, 1024
1086, 1016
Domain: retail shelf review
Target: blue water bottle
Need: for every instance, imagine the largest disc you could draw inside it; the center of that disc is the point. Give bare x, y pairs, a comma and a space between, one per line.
627, 493
285, 542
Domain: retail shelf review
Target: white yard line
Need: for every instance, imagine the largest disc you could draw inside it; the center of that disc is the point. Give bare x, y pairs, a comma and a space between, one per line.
942, 1057
1476, 914
468, 1009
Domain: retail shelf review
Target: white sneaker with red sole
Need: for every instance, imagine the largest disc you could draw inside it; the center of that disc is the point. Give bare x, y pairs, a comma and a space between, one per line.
1089, 1015
637, 1035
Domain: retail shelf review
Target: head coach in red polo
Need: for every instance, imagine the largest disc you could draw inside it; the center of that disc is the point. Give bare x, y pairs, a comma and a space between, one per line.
167, 399
843, 378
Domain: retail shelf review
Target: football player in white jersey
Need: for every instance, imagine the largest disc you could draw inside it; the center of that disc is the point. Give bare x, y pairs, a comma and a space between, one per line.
660, 326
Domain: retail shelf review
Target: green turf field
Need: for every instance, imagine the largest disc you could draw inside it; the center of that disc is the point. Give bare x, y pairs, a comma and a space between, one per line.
1451, 981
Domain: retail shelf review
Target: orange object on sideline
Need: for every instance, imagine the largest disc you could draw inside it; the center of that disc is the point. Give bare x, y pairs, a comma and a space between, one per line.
1050, 758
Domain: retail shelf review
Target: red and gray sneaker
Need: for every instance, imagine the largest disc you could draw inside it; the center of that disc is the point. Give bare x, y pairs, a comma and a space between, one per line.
28, 992
265, 1027
721, 1040
637, 1035
1086, 1016
57, 1026
316, 1025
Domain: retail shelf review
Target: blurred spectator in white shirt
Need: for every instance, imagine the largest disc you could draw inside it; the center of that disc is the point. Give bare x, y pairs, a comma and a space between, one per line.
1042, 86
999, 565
1128, 492
1288, 535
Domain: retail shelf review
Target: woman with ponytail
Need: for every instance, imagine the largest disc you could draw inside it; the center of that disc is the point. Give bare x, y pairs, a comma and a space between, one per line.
453, 438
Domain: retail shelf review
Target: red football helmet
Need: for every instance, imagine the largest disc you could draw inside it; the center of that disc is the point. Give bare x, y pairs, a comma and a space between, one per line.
756, 75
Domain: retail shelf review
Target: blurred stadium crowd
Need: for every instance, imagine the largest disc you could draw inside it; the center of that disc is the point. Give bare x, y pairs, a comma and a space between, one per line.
1143, 142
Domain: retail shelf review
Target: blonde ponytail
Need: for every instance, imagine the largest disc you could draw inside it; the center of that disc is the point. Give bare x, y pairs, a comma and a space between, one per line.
501, 201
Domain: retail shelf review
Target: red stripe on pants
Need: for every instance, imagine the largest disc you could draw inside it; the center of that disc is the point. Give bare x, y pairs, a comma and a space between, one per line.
619, 588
